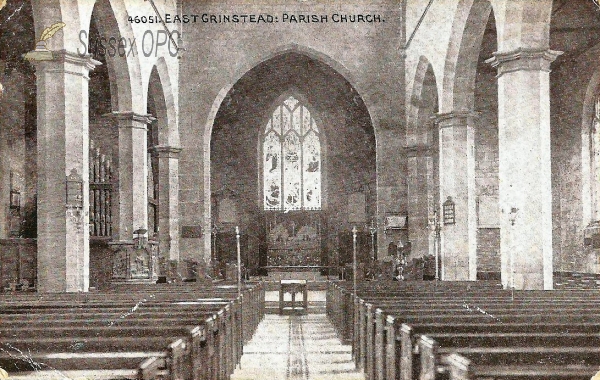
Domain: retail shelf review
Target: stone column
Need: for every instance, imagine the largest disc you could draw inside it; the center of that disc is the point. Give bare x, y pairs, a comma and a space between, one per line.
457, 180
63, 184
524, 167
168, 200
391, 184
133, 174
420, 199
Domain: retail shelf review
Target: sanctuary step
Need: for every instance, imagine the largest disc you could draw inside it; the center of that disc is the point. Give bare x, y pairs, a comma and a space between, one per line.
296, 347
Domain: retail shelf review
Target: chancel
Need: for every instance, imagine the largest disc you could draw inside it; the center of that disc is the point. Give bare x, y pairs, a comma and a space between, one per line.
385, 189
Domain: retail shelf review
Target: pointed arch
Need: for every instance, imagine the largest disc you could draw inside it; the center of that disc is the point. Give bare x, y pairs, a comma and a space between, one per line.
221, 102
460, 66
160, 88
423, 75
590, 150
47, 13
422, 150
124, 69
279, 51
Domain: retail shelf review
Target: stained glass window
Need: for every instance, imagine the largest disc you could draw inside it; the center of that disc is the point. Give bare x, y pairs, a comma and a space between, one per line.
291, 161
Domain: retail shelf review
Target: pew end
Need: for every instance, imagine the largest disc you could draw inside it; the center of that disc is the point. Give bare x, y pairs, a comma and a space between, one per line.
428, 351
458, 366
153, 368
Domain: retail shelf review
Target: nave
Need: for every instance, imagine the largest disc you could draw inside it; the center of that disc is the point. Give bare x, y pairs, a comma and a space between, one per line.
372, 330
298, 347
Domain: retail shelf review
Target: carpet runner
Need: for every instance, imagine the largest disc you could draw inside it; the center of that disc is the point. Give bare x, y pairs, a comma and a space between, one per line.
296, 347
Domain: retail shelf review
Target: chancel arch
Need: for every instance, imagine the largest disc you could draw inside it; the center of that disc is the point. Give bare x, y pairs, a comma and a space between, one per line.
288, 105
206, 216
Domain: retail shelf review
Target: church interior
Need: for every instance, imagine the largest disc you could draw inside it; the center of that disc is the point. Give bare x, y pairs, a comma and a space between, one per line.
300, 189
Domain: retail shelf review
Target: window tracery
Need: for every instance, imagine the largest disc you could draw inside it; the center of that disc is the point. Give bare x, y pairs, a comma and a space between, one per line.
291, 161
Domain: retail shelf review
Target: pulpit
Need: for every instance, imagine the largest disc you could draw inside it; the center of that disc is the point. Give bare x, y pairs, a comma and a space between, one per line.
293, 287
135, 261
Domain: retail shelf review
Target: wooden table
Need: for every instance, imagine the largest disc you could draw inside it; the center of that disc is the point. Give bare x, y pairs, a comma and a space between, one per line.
293, 287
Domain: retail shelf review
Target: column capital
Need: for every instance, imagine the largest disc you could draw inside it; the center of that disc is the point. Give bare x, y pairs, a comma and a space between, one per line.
45, 59
418, 151
166, 151
523, 59
131, 116
454, 119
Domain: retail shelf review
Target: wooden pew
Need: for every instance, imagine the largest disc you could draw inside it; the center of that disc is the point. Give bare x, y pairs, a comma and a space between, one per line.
373, 324
494, 308
76, 352
398, 350
380, 338
404, 343
251, 301
433, 347
228, 342
172, 360
339, 296
406, 339
572, 363
175, 356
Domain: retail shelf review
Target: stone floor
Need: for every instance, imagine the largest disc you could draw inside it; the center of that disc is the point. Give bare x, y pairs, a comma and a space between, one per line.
296, 347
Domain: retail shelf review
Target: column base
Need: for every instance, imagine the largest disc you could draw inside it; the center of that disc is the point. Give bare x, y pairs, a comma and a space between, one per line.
456, 269
528, 281
591, 235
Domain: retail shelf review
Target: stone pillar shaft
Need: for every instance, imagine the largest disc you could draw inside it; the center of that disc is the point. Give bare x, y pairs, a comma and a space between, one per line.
457, 180
524, 167
133, 173
421, 199
596, 164
63, 150
168, 200
390, 183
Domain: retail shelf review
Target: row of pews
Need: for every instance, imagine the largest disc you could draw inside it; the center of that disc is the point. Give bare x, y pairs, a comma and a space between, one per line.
467, 330
170, 332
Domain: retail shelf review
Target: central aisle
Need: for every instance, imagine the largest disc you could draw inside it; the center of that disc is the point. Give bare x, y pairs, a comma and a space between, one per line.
296, 347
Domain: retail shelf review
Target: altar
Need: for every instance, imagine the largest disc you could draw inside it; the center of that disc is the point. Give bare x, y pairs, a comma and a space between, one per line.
293, 287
